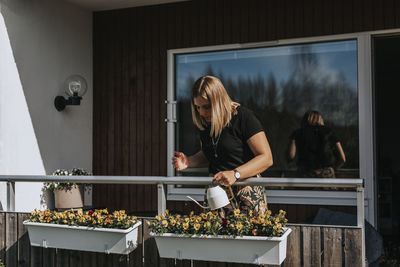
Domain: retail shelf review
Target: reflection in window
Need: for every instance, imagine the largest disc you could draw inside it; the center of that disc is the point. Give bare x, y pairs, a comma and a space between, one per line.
279, 84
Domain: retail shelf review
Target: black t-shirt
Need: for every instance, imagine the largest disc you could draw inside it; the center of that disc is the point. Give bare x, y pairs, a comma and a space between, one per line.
315, 146
230, 149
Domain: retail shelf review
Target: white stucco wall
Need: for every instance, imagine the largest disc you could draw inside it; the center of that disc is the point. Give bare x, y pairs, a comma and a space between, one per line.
42, 42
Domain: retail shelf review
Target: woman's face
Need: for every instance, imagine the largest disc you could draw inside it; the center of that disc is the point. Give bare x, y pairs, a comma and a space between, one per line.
203, 107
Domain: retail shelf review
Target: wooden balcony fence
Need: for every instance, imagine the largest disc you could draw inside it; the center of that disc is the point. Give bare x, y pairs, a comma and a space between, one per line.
308, 245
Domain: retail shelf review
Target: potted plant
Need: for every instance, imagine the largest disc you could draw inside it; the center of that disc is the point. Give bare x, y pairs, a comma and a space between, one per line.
241, 238
67, 195
98, 230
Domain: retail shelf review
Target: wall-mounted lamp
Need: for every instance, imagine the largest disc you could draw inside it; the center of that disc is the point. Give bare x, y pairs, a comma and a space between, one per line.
75, 87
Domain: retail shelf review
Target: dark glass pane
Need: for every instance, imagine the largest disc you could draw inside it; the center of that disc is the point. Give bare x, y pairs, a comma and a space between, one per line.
386, 71
279, 84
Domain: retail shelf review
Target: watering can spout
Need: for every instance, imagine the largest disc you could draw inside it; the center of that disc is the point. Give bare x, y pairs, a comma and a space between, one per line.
195, 201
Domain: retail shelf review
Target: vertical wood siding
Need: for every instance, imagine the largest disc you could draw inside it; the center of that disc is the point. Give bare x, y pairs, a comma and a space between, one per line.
130, 70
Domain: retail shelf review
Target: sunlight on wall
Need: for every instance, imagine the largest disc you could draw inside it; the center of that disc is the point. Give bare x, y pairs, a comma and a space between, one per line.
19, 150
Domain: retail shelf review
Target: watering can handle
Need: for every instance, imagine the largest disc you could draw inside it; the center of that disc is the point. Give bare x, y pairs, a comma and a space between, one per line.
195, 201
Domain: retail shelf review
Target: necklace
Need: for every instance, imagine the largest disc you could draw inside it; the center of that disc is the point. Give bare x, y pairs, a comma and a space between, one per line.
215, 144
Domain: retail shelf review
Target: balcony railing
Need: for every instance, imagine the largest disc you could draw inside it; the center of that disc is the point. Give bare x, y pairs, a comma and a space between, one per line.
162, 181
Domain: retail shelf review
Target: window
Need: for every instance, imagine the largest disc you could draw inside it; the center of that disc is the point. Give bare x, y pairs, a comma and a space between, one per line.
279, 84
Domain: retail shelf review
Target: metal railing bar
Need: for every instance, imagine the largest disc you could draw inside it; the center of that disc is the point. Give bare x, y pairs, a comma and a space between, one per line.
183, 180
324, 225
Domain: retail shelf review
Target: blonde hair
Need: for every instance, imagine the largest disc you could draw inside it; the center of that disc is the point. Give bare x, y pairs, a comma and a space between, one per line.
222, 107
312, 118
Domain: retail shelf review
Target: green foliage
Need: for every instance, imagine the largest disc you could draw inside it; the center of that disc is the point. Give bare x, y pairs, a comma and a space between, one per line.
213, 224
64, 186
92, 218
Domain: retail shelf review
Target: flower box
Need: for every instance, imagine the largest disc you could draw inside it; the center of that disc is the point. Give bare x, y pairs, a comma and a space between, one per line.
246, 249
107, 240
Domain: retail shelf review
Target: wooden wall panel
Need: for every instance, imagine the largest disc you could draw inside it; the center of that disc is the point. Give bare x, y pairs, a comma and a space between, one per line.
130, 71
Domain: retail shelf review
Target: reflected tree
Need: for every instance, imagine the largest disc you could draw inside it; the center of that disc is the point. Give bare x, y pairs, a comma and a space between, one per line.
280, 104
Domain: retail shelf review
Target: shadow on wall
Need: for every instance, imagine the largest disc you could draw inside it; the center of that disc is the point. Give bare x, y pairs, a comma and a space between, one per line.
47, 199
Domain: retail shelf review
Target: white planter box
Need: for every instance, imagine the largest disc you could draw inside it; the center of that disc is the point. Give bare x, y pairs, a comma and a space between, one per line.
246, 249
118, 241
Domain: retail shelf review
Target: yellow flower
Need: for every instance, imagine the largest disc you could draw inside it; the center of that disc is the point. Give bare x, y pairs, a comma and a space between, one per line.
196, 226
165, 223
254, 232
239, 226
158, 218
204, 216
207, 224
236, 212
185, 225
166, 211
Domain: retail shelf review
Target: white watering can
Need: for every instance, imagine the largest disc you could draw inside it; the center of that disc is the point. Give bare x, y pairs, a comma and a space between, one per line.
216, 198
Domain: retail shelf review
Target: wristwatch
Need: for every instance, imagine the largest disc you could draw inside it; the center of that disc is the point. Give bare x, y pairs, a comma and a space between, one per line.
237, 174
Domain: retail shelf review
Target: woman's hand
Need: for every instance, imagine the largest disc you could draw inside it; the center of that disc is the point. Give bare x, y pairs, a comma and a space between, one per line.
180, 161
226, 178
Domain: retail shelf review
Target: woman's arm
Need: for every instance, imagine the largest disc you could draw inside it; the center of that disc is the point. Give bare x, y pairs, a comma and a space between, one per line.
292, 150
262, 160
341, 157
180, 161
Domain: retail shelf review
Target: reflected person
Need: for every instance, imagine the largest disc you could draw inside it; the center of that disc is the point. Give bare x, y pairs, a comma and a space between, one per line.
317, 148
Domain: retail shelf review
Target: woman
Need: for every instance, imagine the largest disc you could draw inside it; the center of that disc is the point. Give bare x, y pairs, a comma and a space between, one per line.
318, 150
233, 142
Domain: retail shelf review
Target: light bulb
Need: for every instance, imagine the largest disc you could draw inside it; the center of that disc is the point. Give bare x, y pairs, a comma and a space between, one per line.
74, 87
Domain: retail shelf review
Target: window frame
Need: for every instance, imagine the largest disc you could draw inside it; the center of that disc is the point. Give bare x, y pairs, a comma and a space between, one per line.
365, 113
